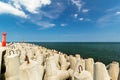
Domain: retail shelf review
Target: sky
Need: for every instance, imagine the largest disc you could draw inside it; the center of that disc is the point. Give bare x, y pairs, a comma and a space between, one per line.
60, 20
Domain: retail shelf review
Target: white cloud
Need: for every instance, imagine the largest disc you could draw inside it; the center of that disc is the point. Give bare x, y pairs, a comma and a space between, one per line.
32, 5
45, 24
81, 19
84, 19
8, 9
78, 3
63, 25
54, 11
75, 15
118, 13
85, 10
15, 3
16, 7
111, 18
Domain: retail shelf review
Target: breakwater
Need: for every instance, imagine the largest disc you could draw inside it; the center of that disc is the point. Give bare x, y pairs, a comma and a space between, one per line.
24, 61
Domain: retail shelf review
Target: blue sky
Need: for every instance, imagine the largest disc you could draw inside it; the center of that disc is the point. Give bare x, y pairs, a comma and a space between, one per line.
60, 20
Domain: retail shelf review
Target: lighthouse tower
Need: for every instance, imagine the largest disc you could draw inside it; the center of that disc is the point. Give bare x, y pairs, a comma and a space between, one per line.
3, 39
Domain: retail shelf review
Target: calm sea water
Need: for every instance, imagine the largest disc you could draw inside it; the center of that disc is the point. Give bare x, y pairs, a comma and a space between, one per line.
105, 52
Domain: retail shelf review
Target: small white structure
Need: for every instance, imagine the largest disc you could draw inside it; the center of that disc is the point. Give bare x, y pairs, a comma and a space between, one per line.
89, 65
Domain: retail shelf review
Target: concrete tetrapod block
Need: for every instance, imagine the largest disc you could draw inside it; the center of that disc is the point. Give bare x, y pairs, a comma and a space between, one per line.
89, 65
84, 75
77, 56
100, 72
12, 63
22, 55
52, 71
63, 74
72, 61
56, 57
40, 58
63, 62
114, 70
81, 61
30, 53
30, 71
81, 74
119, 75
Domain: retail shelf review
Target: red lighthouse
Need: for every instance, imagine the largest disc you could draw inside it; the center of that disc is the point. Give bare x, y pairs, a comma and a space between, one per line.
3, 39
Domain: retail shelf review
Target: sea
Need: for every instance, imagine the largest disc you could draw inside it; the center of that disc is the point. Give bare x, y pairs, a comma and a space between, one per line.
105, 52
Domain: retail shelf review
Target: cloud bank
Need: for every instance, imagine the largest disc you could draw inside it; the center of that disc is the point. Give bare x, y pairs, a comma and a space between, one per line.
9, 9
32, 5
15, 7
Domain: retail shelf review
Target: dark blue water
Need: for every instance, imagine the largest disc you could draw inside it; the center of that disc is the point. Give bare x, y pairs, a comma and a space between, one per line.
105, 52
